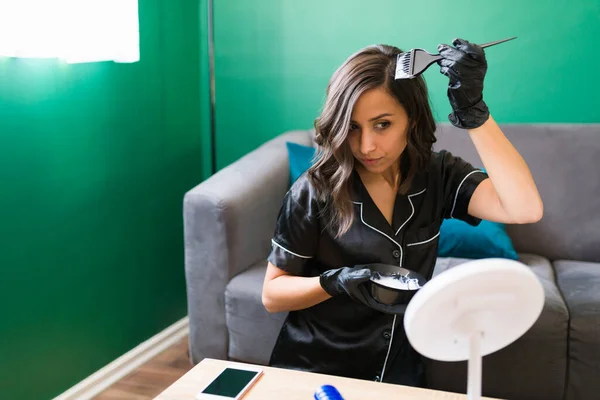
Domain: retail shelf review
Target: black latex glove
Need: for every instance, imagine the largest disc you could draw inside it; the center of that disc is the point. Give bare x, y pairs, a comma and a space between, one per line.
353, 281
465, 65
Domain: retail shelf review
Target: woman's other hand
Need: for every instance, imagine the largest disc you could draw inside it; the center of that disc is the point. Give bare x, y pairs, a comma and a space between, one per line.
352, 281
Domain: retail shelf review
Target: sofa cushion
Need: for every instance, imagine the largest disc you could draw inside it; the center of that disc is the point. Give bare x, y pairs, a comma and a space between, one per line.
534, 366
252, 330
580, 285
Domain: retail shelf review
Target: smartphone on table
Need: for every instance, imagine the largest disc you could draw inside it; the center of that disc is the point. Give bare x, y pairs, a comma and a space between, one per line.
231, 383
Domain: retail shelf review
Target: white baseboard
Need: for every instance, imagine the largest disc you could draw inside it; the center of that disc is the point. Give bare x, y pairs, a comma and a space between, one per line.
127, 363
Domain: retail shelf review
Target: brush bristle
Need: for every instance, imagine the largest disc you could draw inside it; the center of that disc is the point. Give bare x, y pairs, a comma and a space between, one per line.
403, 66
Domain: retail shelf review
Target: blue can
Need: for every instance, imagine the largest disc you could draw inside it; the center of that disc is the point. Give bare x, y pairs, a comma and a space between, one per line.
328, 392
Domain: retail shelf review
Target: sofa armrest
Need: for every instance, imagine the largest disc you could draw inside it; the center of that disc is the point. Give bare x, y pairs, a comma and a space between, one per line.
229, 220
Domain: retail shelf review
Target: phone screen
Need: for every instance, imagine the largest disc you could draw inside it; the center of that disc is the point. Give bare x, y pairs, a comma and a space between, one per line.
230, 382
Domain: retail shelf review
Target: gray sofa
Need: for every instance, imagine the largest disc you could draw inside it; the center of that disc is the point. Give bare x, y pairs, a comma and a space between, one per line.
229, 220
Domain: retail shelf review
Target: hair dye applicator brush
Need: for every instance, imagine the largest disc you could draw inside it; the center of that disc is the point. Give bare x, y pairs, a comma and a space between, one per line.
414, 62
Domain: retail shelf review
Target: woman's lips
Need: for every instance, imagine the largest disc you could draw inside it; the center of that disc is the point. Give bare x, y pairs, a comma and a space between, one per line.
370, 161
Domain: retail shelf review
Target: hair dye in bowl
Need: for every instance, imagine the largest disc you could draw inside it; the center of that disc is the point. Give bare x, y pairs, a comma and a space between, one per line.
399, 282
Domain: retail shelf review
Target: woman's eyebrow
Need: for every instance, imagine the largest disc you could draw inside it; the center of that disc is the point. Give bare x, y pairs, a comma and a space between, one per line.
381, 116
376, 118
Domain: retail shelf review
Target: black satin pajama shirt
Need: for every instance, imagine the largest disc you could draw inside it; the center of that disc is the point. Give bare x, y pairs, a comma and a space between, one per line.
340, 336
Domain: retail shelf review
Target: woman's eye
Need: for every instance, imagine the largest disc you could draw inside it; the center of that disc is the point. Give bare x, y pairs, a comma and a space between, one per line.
353, 127
382, 124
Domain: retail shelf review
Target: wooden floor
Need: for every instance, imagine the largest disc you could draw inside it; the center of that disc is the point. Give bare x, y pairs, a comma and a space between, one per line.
153, 377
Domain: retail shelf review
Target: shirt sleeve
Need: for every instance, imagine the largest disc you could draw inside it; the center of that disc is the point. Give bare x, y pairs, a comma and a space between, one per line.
297, 230
460, 179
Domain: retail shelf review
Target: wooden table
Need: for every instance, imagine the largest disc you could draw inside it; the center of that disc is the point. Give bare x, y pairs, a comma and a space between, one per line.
286, 384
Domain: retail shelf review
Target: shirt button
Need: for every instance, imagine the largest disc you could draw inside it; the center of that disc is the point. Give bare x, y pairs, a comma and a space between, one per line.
386, 335
396, 253
376, 379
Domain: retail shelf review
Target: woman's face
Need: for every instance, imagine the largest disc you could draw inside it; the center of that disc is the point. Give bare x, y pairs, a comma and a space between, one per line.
378, 131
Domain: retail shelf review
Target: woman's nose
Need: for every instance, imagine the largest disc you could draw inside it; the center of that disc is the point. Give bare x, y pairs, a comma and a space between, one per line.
367, 142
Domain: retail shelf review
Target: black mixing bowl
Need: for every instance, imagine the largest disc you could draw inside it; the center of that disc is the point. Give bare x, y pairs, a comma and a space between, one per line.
388, 294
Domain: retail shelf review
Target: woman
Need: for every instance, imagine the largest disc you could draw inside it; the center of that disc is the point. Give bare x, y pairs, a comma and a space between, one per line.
377, 193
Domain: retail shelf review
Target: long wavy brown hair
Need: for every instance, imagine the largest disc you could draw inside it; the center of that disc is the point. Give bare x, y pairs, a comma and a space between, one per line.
369, 68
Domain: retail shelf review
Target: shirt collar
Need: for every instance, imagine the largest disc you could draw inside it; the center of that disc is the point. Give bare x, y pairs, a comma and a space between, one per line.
403, 206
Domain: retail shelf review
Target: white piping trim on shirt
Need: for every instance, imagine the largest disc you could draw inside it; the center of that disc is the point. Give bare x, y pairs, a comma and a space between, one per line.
389, 348
291, 252
458, 189
377, 230
401, 226
400, 263
424, 241
411, 206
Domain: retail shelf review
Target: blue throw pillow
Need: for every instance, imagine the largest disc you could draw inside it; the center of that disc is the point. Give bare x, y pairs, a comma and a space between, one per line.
487, 240
300, 159
457, 238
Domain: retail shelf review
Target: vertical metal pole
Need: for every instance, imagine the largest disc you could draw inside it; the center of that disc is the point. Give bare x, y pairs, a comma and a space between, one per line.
474, 367
211, 61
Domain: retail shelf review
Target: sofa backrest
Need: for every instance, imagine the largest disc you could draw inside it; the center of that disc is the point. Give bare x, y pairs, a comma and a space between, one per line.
565, 162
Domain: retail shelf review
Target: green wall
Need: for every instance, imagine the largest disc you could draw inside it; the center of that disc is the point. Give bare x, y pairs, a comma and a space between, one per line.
94, 162
274, 58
